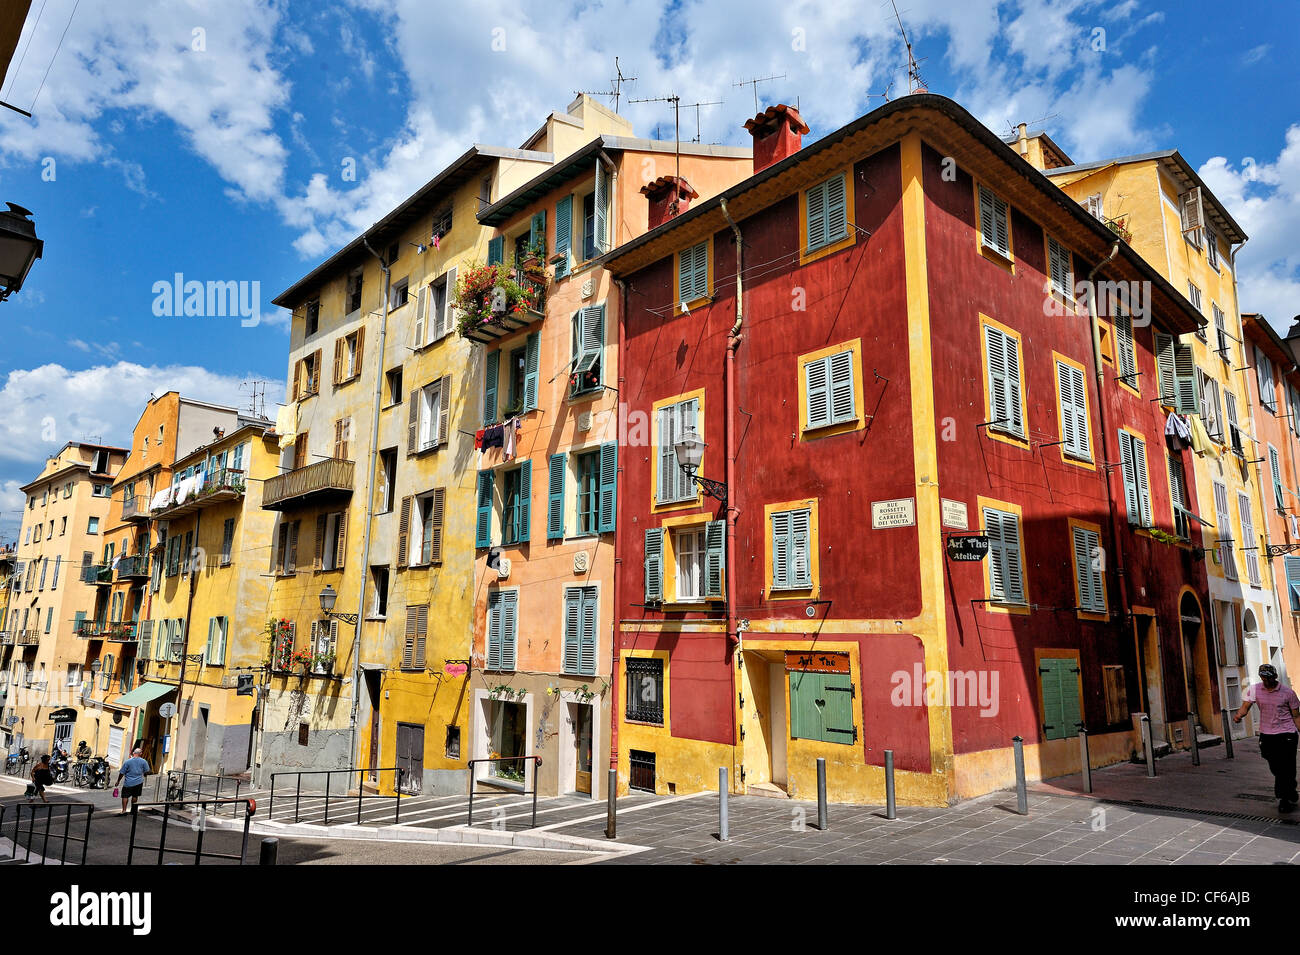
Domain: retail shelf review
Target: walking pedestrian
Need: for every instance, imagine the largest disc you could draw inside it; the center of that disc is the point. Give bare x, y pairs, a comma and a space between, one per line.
1278, 708
132, 773
41, 777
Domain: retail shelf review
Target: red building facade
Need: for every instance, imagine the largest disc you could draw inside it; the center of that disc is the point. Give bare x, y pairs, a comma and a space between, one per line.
898, 371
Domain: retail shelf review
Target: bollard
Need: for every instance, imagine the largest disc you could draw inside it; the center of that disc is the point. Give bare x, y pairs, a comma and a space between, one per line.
1196, 747
1022, 797
821, 794
722, 803
270, 849
891, 805
1227, 735
611, 805
1148, 746
1084, 759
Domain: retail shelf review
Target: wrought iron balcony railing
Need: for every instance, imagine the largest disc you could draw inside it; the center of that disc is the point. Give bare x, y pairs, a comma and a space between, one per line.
321, 481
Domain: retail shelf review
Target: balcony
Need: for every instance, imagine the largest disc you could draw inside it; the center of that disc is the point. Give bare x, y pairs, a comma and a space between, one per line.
6, 638
313, 484
133, 568
135, 509
218, 487
27, 638
97, 574
121, 633
530, 308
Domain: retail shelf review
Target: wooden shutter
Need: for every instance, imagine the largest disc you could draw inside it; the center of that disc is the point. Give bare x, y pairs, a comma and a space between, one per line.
572, 629
715, 557
447, 321
1143, 484
439, 505
483, 523
292, 564
1058, 264
654, 565
1227, 558
360, 355
608, 486
841, 387
408, 642
805, 716
601, 208
509, 628
555, 498
1128, 466
1125, 351
666, 487
321, 523
525, 501
1060, 691
413, 421
496, 250
837, 222
146, 635
491, 376
781, 547
316, 371
1083, 568
815, 214
800, 545
297, 376
444, 409
404, 532
1074, 411
421, 634
1190, 209
1185, 380
1292, 565
341, 542
537, 233
338, 359
587, 634
1004, 380
421, 315
563, 234
532, 357
1165, 368
1249, 542
817, 389
494, 630
1277, 479
300, 451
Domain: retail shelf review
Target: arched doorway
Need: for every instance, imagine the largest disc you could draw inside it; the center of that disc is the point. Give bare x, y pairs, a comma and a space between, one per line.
1196, 664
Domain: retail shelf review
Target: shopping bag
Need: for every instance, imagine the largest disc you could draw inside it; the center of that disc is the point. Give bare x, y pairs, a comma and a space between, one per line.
114, 792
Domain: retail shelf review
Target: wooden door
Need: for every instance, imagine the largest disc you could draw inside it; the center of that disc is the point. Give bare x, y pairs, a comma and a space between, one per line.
582, 739
410, 756
372, 685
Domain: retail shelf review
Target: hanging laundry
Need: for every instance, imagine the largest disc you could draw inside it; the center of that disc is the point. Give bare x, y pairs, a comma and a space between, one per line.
1200, 440
1177, 432
478, 439
493, 437
286, 424
508, 445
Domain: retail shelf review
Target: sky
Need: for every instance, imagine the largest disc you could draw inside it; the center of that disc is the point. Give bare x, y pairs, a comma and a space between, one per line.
246, 140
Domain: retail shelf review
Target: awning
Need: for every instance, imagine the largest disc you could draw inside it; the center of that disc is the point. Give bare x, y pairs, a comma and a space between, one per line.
144, 693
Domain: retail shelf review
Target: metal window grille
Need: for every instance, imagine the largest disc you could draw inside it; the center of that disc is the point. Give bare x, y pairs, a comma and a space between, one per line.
645, 690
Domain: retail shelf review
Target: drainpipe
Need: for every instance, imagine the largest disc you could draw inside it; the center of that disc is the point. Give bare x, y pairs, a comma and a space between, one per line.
729, 412
355, 749
185, 641
616, 639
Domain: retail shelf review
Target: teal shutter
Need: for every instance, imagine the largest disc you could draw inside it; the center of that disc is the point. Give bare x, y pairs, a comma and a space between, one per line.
693, 272
537, 233
654, 565
563, 234
685, 276
496, 250
1165, 368
800, 566
1060, 687
1189, 399
837, 708
841, 387
815, 236
491, 376
781, 546
715, 558
525, 500
608, 486
555, 499
587, 636
483, 526
817, 386
1292, 565
1141, 479
572, 629
1277, 479
1124, 349
805, 717
837, 222
509, 628
532, 357
494, 630
601, 205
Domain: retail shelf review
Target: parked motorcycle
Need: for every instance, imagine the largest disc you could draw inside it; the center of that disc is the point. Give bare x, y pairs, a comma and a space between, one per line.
59, 766
16, 763
99, 773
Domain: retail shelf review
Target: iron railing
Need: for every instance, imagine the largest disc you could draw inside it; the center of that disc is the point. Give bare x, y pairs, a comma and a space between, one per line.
27, 638
537, 764
360, 797
203, 810
96, 574
331, 477
179, 787
52, 813
136, 565
135, 508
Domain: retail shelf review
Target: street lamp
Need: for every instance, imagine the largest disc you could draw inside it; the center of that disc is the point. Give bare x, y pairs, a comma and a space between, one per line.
327, 598
19, 248
690, 451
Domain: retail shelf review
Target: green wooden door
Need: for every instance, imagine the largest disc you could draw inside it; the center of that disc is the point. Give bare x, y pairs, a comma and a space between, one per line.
1062, 713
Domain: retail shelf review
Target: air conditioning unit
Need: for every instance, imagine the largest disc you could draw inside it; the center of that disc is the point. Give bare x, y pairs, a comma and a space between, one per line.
503, 568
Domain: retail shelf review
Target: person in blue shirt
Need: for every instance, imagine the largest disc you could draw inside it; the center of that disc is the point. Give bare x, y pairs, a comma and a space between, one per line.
131, 779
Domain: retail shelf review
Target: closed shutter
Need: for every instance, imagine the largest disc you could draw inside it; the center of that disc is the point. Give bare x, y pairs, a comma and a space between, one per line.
319, 560
1275, 467
781, 550
491, 376
837, 709
1143, 482
589, 340
1004, 380
818, 391
408, 641
1006, 576
693, 272
404, 532
438, 502
146, 636
494, 630
1249, 542
1062, 715
601, 208
666, 488
1227, 557
1058, 260
524, 508
496, 250
608, 486
555, 497
800, 547
1292, 565
413, 422
1264, 374
654, 565
1165, 369
1087, 572
572, 628
805, 715
509, 628
1189, 401
816, 217
563, 234
993, 222
1131, 498
444, 409
715, 557
1125, 350
837, 222
532, 359
291, 565
421, 635
842, 397
587, 637
483, 523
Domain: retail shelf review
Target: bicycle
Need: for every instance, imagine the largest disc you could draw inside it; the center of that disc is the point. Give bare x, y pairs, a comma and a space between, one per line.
174, 791
81, 773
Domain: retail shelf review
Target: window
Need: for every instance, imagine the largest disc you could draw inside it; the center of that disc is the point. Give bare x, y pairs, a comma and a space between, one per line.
829, 389
1264, 373
431, 512
215, 652
580, 622
1209, 394
1059, 681
1227, 556
452, 742
826, 213
63, 527
429, 416
415, 636
563, 236
434, 314
645, 690
1179, 497
342, 439
74, 674
227, 540
146, 639
1075, 426
312, 324
516, 491
324, 641
387, 478
58, 563
1006, 558
92, 526
190, 555
106, 672
503, 609
688, 551
1220, 332
1089, 582
306, 381
394, 377
994, 223
100, 490
1194, 296
49, 620
821, 707
673, 421
1060, 269
1177, 374
588, 492
515, 371
379, 592
331, 540
1005, 398
588, 338
284, 556
38, 530
1249, 542
1211, 249
1095, 206
1275, 467
693, 273
399, 294
1192, 216
1234, 431
348, 354
791, 550
589, 226
1137, 488
441, 222
1292, 565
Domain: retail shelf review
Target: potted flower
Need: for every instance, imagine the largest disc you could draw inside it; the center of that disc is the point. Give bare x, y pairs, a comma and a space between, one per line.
322, 663
1120, 228
488, 294
281, 634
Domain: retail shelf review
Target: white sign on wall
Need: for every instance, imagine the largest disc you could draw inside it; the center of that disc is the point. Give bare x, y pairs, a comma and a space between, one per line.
899, 513
955, 514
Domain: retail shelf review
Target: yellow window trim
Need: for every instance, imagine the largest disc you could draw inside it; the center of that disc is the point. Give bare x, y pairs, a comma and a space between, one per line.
668, 525
1107, 334
1068, 300
698, 500
625, 655
1066, 457
982, 502
992, 431
814, 565
1051, 653
1074, 563
708, 278
859, 411
805, 256
1007, 261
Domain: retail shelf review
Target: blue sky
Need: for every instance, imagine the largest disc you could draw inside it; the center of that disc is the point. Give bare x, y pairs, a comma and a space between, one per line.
209, 138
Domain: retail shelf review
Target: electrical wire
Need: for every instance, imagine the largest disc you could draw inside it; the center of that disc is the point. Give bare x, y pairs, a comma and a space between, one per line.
55, 56
14, 76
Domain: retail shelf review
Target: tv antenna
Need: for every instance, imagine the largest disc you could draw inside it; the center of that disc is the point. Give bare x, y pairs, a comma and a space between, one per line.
677, 122
884, 95
615, 85
914, 82
754, 83
696, 107
256, 391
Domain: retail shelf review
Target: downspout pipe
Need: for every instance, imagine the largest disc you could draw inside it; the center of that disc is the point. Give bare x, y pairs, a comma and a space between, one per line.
185, 639
733, 511
370, 509
617, 638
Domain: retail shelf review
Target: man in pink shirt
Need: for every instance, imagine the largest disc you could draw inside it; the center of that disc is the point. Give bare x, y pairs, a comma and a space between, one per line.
1278, 708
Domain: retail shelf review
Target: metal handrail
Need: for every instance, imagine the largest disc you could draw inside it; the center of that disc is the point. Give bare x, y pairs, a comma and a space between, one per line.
185, 776
250, 806
537, 764
361, 793
49, 810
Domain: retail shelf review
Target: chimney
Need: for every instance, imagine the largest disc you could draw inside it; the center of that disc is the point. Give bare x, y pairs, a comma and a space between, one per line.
669, 197
778, 132
1023, 139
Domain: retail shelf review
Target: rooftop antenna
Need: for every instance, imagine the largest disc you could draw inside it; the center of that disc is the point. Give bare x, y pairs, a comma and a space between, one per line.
256, 390
696, 107
615, 86
914, 81
677, 122
754, 83
884, 95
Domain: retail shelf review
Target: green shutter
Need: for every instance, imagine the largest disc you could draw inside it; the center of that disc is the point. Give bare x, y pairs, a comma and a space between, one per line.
1292, 565
817, 386
509, 628
532, 357
525, 500
491, 376
608, 486
587, 636
715, 558
572, 628
1277, 479
563, 234
815, 236
654, 565
1165, 368
837, 222
1083, 568
494, 630
781, 546
1188, 395
805, 718
537, 233
1124, 349
1131, 499
555, 499
837, 709
601, 205
483, 526
1143, 483
1061, 706
496, 250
